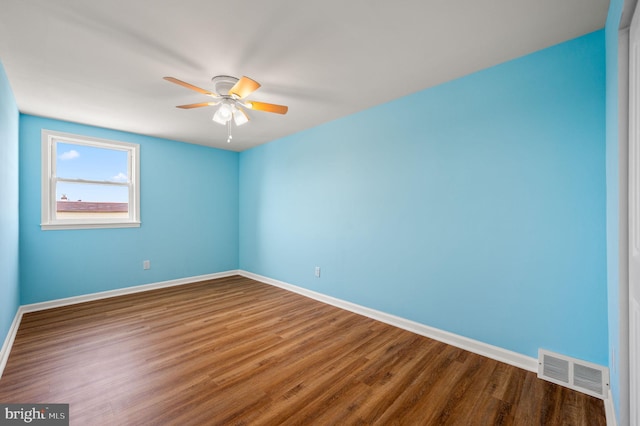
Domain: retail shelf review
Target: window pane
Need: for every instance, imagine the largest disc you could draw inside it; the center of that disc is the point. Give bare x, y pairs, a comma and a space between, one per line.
88, 162
85, 200
92, 192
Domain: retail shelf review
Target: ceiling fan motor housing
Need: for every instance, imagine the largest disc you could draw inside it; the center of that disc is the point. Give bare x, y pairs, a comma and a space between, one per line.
222, 84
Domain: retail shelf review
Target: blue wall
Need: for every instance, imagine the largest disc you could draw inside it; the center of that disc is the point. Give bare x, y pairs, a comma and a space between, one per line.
477, 206
189, 214
9, 272
613, 196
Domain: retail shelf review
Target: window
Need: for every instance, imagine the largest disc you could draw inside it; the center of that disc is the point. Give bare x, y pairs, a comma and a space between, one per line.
89, 182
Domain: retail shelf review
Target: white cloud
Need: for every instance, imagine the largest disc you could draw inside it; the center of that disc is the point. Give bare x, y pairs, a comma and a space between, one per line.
69, 155
120, 176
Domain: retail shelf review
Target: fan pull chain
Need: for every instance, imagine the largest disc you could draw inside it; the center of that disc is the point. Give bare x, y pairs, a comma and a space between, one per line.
229, 137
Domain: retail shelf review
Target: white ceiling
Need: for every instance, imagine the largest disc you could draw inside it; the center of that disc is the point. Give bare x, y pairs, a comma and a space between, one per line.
102, 62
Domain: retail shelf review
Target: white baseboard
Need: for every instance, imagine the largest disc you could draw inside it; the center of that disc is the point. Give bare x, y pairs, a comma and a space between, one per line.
8, 341
33, 307
610, 410
122, 291
475, 346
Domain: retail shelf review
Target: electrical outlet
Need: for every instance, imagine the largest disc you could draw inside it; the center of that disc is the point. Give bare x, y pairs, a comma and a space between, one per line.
317, 271
146, 264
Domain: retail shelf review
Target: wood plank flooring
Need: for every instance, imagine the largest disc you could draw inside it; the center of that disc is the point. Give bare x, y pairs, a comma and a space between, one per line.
237, 352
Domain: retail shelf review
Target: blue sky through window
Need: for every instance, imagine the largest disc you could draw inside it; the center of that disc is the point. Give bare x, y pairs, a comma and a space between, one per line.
92, 163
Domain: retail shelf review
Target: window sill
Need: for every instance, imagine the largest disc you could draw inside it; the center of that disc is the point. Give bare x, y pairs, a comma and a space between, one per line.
61, 226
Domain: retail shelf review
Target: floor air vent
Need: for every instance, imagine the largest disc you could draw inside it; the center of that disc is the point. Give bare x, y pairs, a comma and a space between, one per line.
582, 376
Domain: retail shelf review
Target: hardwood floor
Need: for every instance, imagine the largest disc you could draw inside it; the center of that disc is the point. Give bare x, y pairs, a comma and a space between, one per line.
237, 352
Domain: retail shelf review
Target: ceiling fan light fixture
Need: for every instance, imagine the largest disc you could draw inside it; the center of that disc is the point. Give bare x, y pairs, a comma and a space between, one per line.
223, 114
239, 116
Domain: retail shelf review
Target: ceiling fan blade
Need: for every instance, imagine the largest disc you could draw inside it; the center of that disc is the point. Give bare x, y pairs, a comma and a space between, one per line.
263, 106
190, 86
244, 87
198, 105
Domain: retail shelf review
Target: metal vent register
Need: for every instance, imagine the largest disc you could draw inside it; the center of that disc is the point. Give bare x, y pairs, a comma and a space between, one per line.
582, 376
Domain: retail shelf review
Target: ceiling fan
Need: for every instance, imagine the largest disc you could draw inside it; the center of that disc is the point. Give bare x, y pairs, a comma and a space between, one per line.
230, 93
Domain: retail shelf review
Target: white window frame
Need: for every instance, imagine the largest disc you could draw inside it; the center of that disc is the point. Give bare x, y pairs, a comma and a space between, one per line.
50, 139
